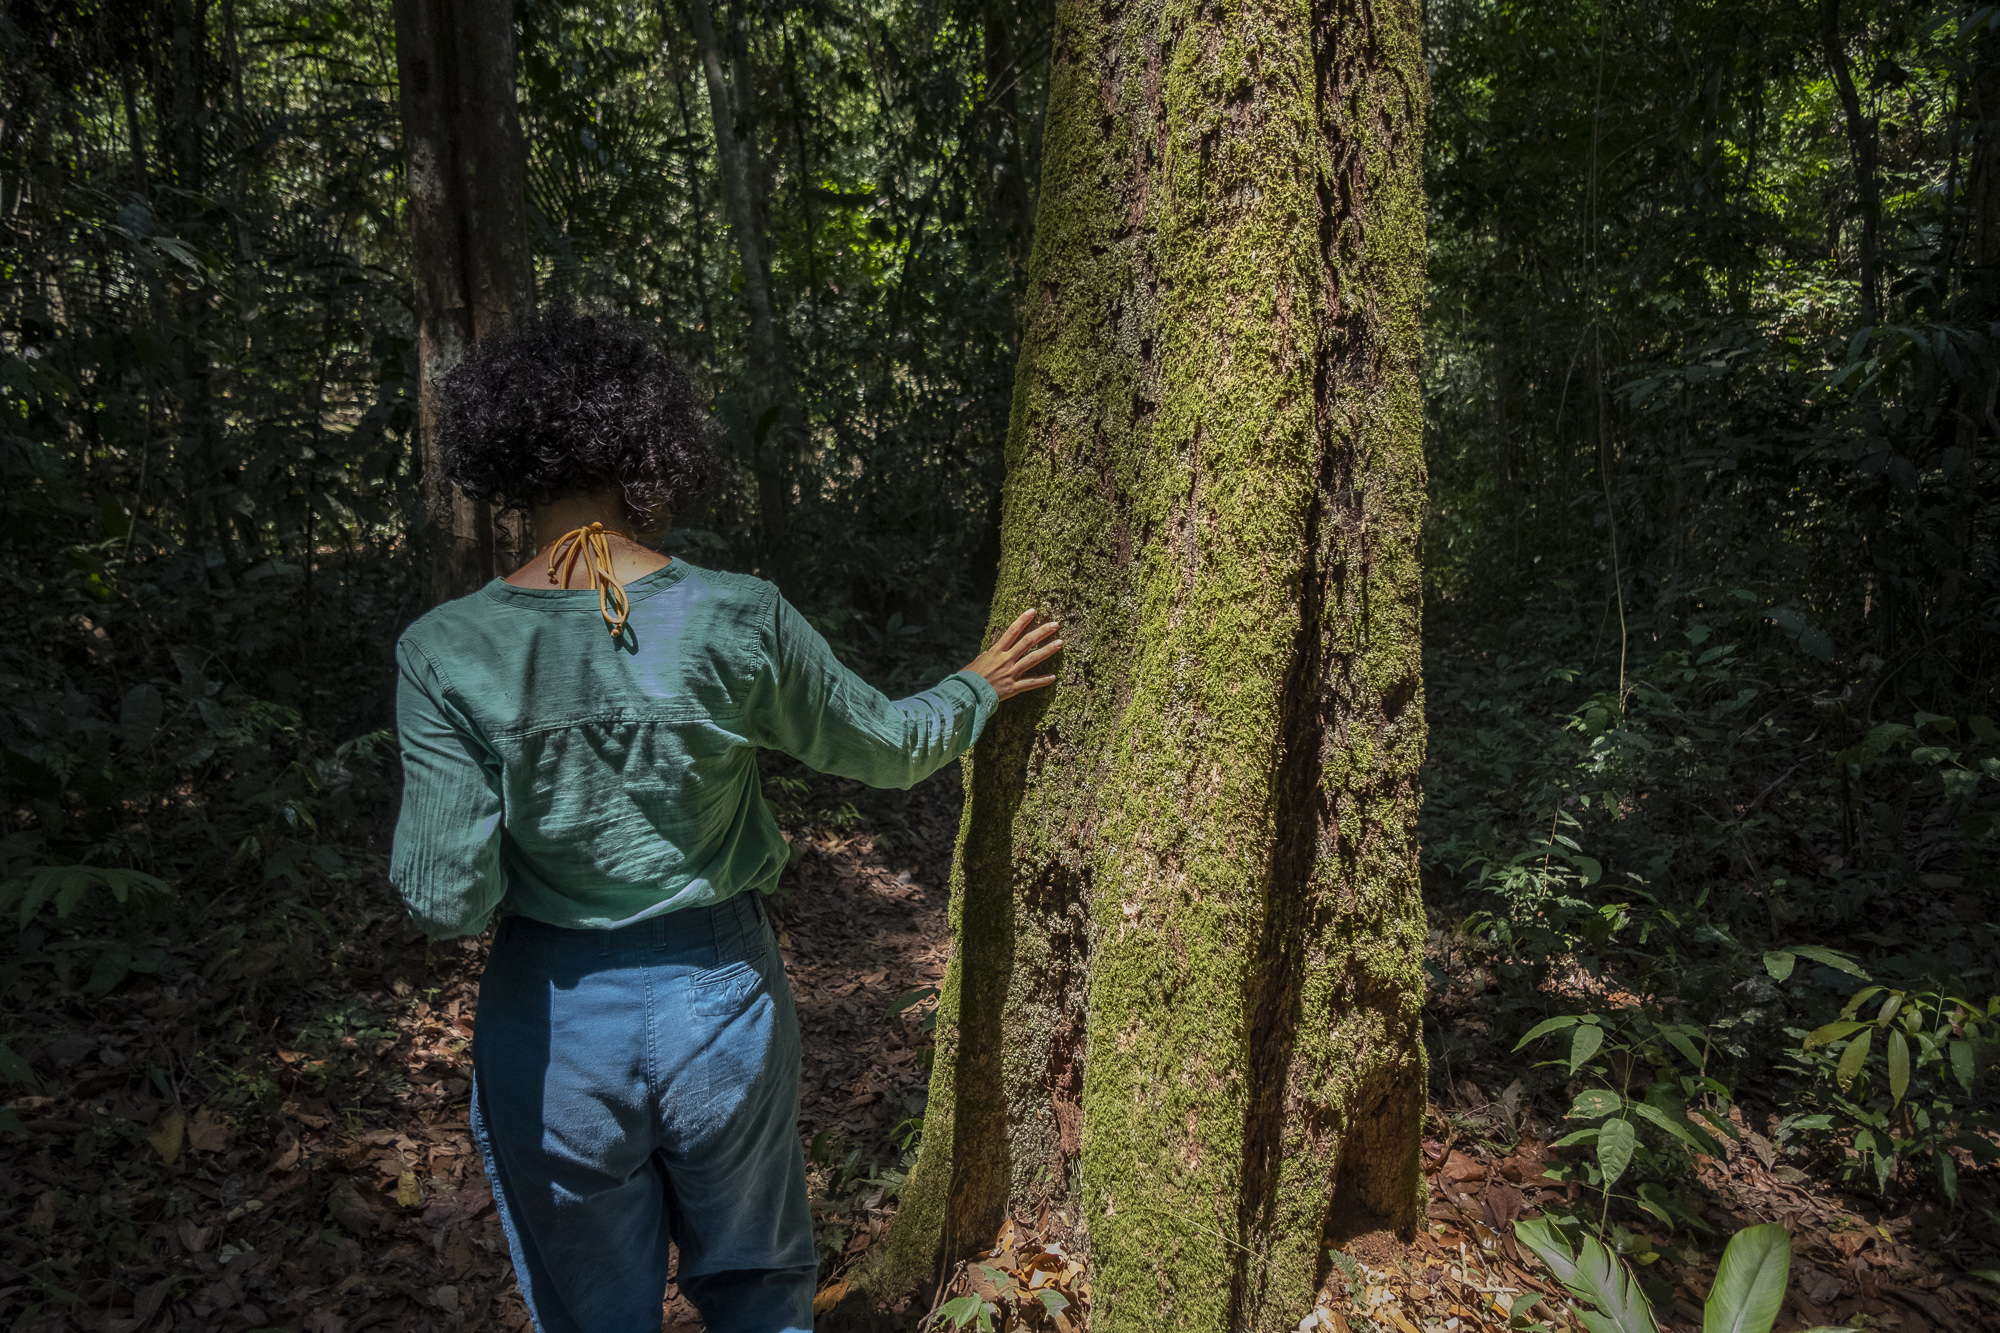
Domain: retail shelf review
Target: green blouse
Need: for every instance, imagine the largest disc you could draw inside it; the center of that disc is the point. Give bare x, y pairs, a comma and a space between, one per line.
553, 771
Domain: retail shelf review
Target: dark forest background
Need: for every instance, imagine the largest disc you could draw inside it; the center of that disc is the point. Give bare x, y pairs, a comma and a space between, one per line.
1713, 603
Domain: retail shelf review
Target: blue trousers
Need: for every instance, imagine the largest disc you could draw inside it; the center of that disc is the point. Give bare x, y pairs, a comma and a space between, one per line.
641, 1084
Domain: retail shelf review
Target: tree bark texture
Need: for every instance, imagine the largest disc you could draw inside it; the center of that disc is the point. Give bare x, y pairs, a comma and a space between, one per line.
1182, 1016
772, 423
466, 171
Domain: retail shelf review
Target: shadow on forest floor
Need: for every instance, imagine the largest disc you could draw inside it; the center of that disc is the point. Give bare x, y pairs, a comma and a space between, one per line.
222, 1152
266, 1142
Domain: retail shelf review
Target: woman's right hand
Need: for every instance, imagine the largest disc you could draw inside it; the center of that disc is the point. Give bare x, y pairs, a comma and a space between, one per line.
1014, 654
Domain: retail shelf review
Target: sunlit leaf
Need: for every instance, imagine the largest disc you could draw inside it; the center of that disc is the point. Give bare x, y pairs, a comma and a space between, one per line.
1832, 958
1546, 1026
1832, 1032
1593, 1274
1584, 1044
961, 1311
1750, 1285
1899, 1067
1851, 1059
1615, 1142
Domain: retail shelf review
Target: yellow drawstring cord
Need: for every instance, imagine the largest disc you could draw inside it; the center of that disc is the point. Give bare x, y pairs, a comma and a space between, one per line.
593, 547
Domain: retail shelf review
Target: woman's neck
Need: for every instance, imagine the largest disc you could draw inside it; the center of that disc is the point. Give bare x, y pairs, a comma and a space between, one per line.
629, 555
571, 512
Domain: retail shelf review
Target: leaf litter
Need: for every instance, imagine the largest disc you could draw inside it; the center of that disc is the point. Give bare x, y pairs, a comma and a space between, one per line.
276, 1135
183, 1164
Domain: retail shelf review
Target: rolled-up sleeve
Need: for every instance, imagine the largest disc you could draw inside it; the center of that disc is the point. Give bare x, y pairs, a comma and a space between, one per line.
446, 858
816, 710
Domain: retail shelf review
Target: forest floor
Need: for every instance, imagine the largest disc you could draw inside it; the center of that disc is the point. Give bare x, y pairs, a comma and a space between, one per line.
277, 1137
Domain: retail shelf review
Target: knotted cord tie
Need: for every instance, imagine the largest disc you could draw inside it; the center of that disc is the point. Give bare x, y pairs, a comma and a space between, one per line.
592, 546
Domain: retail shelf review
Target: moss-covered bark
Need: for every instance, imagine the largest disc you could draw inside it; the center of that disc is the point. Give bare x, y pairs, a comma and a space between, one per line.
1183, 1012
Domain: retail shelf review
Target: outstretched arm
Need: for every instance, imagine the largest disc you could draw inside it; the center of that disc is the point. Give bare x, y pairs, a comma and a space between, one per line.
818, 711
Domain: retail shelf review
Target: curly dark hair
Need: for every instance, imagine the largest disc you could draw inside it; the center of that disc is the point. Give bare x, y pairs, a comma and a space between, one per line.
564, 402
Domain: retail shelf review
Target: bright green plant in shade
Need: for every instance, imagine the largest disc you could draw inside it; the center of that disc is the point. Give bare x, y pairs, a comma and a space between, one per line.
1749, 1285
1620, 1052
1931, 1044
1594, 1274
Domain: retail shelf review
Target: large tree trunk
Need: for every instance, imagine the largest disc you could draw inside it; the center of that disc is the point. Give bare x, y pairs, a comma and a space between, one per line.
773, 415
1182, 1013
466, 169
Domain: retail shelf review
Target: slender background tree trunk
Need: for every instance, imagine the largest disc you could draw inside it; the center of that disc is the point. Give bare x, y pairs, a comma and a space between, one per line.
1181, 1021
1862, 146
466, 170
772, 415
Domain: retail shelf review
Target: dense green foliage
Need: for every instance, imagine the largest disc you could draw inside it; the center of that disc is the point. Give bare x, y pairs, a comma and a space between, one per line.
1714, 592
208, 475
1713, 610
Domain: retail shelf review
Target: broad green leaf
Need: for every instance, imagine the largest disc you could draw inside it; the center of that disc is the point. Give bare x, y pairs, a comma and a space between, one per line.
1679, 1128
1899, 1067
1684, 1044
1593, 1274
1833, 1031
1859, 998
1657, 1211
1851, 1059
1779, 964
1053, 1301
1594, 1102
1832, 958
1884, 734
1720, 1121
1591, 868
1584, 1044
71, 892
1962, 1065
961, 1311
1750, 1284
1889, 1008
1947, 1175
1614, 1149
1546, 1026
40, 886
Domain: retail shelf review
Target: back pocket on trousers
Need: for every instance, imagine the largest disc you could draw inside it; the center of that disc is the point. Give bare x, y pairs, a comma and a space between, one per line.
726, 991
